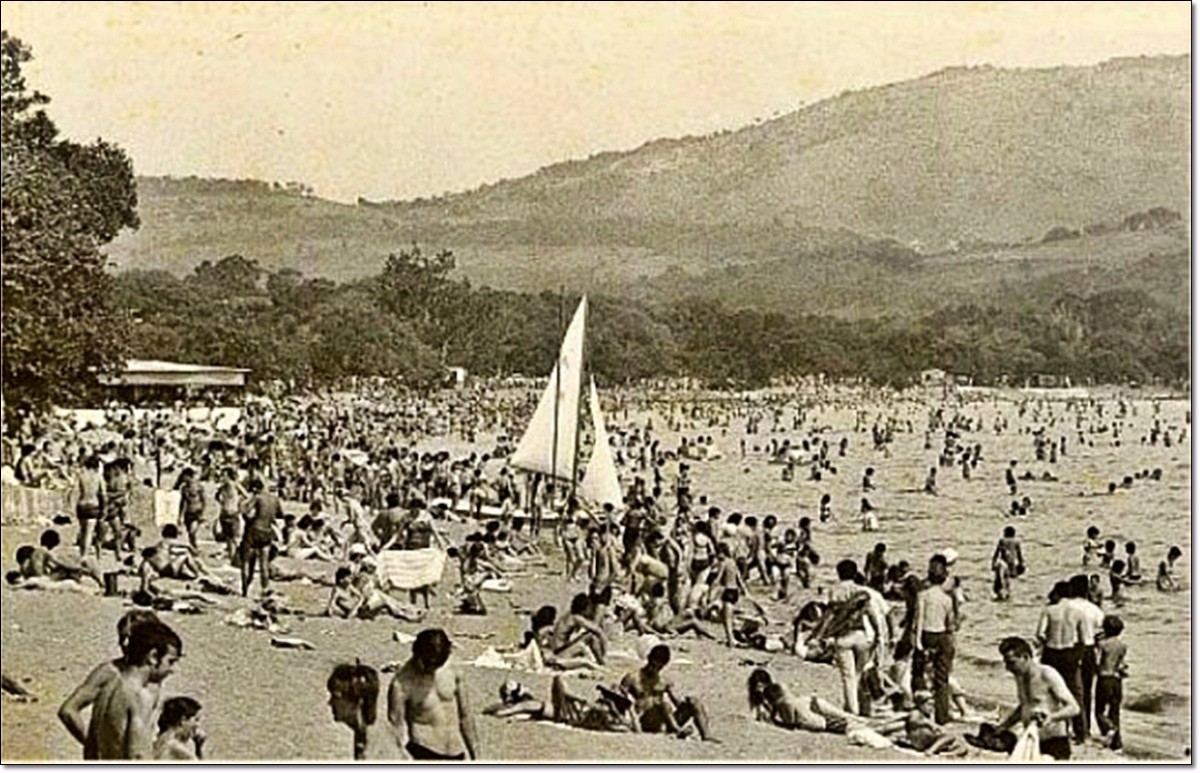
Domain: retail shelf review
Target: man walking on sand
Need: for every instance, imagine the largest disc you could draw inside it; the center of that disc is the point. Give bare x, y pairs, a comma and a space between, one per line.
427, 704
122, 726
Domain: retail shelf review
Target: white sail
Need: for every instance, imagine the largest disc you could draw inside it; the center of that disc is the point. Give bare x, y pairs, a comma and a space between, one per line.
538, 450
600, 482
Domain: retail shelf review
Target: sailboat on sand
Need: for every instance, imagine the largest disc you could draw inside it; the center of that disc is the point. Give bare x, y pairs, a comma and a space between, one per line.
550, 445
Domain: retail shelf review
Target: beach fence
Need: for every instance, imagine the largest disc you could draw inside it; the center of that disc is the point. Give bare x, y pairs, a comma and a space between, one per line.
148, 508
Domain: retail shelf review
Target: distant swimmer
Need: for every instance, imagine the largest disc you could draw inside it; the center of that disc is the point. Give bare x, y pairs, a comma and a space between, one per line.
1091, 546
931, 482
1007, 563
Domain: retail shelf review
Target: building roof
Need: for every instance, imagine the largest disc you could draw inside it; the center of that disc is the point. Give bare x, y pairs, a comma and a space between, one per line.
163, 373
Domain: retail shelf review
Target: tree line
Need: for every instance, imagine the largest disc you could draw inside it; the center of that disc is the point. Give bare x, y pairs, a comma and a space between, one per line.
414, 319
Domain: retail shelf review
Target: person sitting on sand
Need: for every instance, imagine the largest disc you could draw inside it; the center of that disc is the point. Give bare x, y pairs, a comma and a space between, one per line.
175, 558
349, 601
657, 707
305, 542
922, 733
541, 635
353, 701
70, 713
44, 561
575, 635
179, 734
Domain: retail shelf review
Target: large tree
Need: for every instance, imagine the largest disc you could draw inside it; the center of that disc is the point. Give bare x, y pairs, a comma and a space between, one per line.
62, 202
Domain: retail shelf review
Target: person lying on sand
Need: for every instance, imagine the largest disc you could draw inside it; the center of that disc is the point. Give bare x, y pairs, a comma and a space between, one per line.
772, 702
611, 711
925, 735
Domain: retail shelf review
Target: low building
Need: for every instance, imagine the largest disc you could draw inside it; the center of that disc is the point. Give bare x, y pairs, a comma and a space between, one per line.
143, 378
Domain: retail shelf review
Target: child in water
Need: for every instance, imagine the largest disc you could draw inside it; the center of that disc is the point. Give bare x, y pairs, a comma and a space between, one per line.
1119, 579
1091, 546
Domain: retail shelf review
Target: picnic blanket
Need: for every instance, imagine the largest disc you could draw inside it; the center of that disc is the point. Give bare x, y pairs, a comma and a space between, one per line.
411, 569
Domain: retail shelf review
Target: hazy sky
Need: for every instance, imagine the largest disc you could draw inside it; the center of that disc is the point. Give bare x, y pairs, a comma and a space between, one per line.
388, 100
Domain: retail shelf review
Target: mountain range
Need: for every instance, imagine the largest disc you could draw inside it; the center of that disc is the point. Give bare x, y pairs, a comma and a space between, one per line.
967, 184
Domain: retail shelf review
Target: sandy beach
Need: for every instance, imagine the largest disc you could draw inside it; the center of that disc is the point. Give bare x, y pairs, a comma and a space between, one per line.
265, 703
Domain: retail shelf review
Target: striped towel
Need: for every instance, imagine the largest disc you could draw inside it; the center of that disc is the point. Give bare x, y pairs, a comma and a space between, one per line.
410, 569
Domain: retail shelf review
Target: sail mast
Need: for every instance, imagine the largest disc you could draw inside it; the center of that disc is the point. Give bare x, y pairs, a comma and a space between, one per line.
557, 389
579, 401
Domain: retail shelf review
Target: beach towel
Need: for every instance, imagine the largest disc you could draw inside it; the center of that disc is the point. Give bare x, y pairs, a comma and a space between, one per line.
527, 659
166, 507
1028, 748
411, 569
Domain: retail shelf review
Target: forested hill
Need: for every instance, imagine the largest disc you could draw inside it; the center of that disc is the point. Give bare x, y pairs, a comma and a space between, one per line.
961, 168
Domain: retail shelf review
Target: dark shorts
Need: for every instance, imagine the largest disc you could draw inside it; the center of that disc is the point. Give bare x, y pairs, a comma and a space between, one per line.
419, 752
256, 540
836, 724
699, 565
1056, 748
193, 516
230, 526
730, 596
87, 512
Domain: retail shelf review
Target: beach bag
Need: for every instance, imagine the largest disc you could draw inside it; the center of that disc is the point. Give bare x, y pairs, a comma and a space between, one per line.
1028, 748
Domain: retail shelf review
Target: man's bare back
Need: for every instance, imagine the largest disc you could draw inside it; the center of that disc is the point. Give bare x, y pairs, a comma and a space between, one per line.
121, 727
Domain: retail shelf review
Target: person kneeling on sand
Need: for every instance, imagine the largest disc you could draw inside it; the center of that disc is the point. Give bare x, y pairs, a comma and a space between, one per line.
657, 707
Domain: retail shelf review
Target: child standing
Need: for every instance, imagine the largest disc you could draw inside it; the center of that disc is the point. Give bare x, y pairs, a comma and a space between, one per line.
179, 736
1110, 678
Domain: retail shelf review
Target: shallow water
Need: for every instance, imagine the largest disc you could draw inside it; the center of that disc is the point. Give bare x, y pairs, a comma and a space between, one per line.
969, 515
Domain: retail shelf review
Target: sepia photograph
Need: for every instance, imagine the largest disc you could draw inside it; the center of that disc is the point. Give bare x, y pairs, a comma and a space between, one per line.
596, 382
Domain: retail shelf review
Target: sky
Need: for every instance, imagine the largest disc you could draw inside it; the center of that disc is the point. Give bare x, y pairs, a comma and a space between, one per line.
395, 101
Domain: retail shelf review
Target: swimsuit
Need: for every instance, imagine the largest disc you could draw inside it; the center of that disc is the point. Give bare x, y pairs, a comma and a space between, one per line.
419, 752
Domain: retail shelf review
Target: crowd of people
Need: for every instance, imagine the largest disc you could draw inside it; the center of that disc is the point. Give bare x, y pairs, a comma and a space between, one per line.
323, 487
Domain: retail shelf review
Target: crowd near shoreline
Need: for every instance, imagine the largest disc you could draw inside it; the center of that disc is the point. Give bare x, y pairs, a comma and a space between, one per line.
354, 494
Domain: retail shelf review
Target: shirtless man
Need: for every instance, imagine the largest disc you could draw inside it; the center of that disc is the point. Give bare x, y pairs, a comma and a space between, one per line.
261, 513
90, 493
231, 496
1042, 698
122, 725
427, 704
71, 711
45, 562
657, 707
